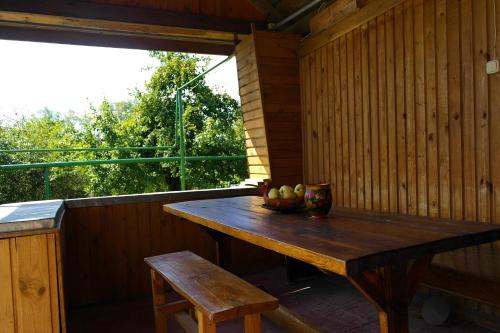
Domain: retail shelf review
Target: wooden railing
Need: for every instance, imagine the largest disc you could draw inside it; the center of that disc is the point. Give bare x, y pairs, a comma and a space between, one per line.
108, 238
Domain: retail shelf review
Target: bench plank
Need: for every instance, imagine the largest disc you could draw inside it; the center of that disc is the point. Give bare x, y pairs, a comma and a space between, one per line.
219, 294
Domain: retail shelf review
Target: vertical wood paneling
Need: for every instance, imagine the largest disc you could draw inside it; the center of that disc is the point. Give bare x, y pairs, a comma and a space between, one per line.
375, 160
401, 112
351, 131
415, 123
30, 267
331, 123
366, 117
107, 264
410, 111
455, 108
358, 117
314, 119
6, 296
494, 87
345, 120
319, 114
409, 49
391, 112
430, 104
468, 117
382, 113
326, 118
302, 75
481, 110
338, 124
443, 135
30, 286
308, 125
420, 109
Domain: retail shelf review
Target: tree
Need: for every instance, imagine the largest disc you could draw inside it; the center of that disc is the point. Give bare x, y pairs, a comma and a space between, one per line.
45, 129
213, 126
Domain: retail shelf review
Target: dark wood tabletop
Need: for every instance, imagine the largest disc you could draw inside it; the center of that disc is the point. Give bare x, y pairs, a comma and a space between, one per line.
347, 242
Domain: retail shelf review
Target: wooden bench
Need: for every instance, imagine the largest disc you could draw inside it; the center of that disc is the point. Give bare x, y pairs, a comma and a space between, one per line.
215, 294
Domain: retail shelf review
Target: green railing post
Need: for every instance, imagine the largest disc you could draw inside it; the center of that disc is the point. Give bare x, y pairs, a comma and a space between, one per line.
46, 184
182, 141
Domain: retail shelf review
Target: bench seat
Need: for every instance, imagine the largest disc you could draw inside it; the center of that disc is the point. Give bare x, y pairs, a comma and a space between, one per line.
217, 294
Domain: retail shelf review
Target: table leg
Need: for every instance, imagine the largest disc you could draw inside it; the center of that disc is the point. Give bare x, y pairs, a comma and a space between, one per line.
221, 247
391, 290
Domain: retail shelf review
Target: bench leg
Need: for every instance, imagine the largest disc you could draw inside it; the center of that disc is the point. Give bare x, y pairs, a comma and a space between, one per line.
159, 299
252, 323
204, 324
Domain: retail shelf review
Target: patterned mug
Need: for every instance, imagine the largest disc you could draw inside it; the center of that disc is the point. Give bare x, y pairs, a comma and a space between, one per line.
318, 199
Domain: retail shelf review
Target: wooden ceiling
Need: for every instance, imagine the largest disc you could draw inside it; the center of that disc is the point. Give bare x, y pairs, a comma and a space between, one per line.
200, 26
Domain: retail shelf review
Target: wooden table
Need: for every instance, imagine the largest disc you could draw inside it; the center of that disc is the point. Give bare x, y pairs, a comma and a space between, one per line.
384, 256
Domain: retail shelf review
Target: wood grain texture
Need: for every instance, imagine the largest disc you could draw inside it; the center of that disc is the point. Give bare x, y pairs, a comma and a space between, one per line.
333, 14
348, 242
429, 128
219, 8
106, 245
218, 294
6, 296
268, 73
30, 282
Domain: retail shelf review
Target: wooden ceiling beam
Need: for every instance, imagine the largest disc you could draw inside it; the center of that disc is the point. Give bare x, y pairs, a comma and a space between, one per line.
266, 7
111, 27
48, 35
127, 14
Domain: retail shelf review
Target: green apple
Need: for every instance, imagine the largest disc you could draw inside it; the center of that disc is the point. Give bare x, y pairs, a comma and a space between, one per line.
300, 190
287, 192
285, 188
273, 194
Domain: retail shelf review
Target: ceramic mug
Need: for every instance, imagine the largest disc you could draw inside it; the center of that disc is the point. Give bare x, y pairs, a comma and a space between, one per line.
318, 199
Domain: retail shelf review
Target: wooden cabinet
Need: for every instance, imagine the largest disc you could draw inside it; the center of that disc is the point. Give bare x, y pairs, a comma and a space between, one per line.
31, 298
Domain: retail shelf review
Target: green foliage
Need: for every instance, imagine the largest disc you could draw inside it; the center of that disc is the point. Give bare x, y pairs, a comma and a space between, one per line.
213, 126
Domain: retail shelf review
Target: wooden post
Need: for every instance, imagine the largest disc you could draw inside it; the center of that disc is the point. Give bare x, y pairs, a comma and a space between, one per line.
252, 323
159, 299
205, 325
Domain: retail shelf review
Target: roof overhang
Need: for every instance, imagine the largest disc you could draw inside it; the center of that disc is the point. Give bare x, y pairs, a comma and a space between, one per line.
119, 26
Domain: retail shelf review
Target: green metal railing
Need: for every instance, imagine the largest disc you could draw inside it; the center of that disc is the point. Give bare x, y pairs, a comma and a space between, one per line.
47, 166
179, 141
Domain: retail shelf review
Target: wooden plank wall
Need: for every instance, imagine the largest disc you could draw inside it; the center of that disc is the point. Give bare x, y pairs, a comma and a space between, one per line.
400, 115
106, 247
29, 290
251, 106
268, 72
220, 8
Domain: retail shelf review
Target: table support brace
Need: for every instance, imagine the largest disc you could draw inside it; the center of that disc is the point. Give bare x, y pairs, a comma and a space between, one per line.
391, 290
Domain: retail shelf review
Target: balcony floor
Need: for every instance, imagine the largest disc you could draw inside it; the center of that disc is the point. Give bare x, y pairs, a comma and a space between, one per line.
328, 302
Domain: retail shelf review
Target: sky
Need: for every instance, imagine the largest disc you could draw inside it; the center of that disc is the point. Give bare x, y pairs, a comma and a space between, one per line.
69, 77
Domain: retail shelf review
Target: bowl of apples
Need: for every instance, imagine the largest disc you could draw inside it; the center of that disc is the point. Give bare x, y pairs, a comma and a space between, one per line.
285, 199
